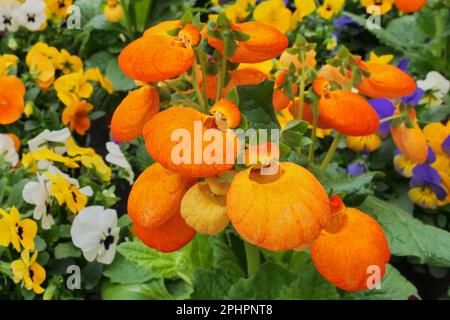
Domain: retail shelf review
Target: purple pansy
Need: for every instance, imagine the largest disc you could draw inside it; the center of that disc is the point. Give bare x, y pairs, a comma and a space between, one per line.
403, 65
384, 108
426, 176
414, 98
446, 146
431, 157
356, 169
343, 21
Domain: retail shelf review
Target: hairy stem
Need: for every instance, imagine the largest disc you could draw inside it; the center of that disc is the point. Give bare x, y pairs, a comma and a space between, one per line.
331, 151
253, 259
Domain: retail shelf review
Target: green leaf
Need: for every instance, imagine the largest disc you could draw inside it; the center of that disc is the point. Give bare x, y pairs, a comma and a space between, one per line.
233, 96
66, 250
153, 290
408, 236
123, 271
201, 250
255, 102
393, 287
166, 265
210, 285
119, 80
265, 285
15, 195
355, 189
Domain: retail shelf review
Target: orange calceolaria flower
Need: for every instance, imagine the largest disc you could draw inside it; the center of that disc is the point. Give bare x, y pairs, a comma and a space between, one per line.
168, 237
352, 250
12, 92
411, 141
156, 196
76, 115
345, 111
385, 81
307, 114
265, 43
275, 211
226, 114
410, 6
239, 77
157, 56
175, 138
133, 112
280, 99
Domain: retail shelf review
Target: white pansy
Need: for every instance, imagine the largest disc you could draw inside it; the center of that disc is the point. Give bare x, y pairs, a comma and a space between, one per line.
37, 193
32, 15
54, 140
116, 157
8, 151
9, 15
436, 86
94, 230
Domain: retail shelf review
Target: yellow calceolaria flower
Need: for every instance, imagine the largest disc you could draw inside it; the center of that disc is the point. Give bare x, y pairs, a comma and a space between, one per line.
29, 160
94, 74
330, 8
113, 11
58, 9
368, 143
66, 191
29, 271
303, 8
68, 63
16, 231
28, 110
331, 43
274, 13
384, 5
90, 159
7, 61
384, 59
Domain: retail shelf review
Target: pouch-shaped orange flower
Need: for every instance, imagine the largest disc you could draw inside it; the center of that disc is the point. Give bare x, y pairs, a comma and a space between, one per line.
280, 98
239, 77
411, 141
265, 43
410, 6
188, 142
385, 81
278, 212
348, 113
168, 237
12, 92
134, 111
156, 196
352, 251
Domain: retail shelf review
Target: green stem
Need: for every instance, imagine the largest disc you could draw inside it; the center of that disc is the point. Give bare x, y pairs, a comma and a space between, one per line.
223, 70
127, 19
331, 151
314, 131
203, 58
302, 88
390, 118
197, 90
253, 259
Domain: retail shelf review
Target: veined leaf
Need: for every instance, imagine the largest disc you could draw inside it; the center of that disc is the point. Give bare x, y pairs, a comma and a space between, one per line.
153, 290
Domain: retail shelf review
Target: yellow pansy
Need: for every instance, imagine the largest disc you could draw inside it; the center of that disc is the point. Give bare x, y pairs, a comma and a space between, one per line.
113, 11
66, 192
29, 159
403, 165
68, 63
368, 143
424, 197
265, 66
384, 5
384, 59
435, 134
303, 9
7, 61
273, 13
322, 133
330, 8
16, 231
72, 86
58, 9
29, 271
94, 74
43, 49
238, 11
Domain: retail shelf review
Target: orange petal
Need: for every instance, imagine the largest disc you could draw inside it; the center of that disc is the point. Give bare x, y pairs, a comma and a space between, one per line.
161, 28
276, 212
280, 98
156, 196
411, 142
181, 122
155, 58
345, 257
168, 237
134, 111
386, 81
266, 43
410, 6
12, 103
321, 86
348, 113
228, 110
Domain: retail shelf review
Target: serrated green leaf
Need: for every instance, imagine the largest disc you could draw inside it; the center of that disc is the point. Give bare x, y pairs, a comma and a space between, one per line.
153, 290
123, 271
355, 189
66, 250
210, 285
